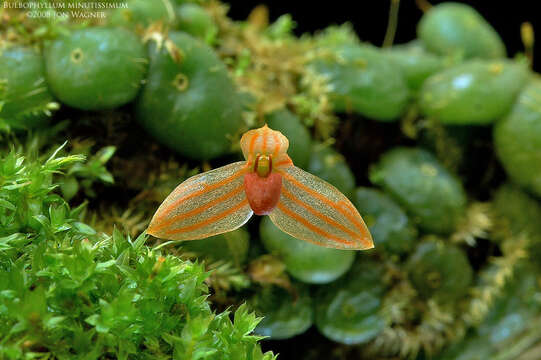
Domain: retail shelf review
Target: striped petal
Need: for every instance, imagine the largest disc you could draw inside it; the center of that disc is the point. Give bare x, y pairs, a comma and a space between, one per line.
313, 210
206, 204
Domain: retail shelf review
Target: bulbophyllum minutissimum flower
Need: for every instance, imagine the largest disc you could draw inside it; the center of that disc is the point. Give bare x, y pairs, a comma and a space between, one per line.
267, 183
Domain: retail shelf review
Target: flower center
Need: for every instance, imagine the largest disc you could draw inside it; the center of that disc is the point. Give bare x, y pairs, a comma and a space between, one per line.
263, 165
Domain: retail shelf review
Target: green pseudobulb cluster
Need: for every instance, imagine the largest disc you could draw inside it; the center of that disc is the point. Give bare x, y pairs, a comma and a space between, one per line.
436, 142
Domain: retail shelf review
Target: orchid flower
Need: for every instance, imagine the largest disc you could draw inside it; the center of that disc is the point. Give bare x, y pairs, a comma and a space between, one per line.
267, 183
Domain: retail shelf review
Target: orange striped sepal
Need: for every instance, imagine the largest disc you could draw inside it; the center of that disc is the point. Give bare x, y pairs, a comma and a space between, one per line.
313, 210
206, 204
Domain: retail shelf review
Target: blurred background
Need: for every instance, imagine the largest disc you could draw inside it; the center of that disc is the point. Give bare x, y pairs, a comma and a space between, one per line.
370, 17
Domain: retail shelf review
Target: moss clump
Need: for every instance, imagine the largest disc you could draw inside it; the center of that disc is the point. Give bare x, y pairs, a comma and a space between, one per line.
67, 290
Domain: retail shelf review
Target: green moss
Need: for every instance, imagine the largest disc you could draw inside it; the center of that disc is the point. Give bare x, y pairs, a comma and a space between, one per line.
508, 328
68, 291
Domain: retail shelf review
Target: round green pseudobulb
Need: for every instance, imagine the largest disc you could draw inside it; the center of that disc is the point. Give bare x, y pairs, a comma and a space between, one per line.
284, 314
347, 310
440, 271
415, 62
190, 105
518, 212
518, 216
144, 13
517, 139
291, 126
231, 246
96, 68
365, 81
24, 96
451, 28
475, 92
194, 20
434, 197
305, 261
330, 165
388, 223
